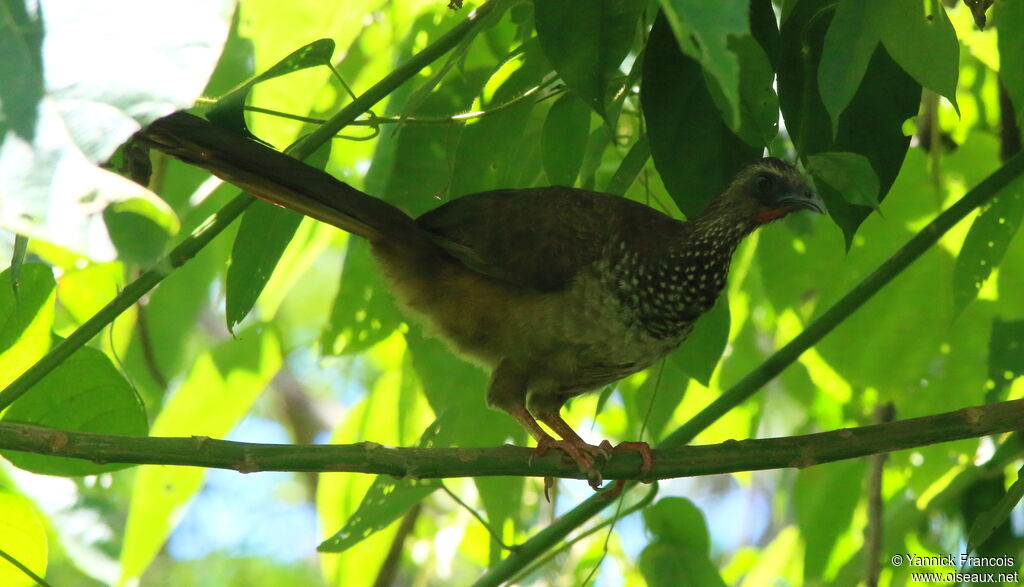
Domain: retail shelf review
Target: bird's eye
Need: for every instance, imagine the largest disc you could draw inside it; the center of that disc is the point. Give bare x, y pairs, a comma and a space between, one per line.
764, 183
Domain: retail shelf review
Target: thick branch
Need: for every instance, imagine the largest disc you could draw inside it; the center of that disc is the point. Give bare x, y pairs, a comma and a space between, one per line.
367, 457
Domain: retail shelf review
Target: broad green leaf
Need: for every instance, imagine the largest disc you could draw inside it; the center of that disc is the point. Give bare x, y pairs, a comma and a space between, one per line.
850, 174
262, 237
986, 523
85, 393
703, 32
140, 229
389, 498
566, 130
695, 152
680, 551
919, 36
849, 44
363, 313
759, 106
21, 75
219, 391
632, 164
700, 352
871, 125
986, 243
825, 497
655, 401
1005, 357
1008, 16
586, 41
23, 537
229, 110
25, 319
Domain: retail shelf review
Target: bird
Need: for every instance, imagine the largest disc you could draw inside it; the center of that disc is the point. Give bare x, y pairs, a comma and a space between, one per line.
557, 290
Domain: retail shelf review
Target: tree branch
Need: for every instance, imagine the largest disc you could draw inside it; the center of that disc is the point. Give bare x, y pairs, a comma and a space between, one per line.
367, 457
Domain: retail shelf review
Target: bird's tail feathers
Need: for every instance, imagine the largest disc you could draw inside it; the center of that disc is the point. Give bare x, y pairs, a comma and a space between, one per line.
277, 178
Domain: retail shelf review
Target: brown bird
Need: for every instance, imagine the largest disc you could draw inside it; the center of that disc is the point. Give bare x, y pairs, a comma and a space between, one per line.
558, 290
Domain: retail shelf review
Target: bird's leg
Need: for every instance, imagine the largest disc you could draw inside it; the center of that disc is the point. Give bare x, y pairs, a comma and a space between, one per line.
507, 392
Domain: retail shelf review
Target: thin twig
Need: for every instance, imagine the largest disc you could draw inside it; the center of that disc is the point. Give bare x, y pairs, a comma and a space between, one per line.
876, 510
389, 568
28, 572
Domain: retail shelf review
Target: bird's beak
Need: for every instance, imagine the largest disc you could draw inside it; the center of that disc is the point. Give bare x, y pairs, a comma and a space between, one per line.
804, 198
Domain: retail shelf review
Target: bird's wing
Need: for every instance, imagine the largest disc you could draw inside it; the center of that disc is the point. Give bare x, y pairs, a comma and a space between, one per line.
537, 238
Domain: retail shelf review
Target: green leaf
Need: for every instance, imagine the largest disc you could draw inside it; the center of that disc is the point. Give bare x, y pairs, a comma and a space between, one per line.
566, 130
264, 233
656, 400
987, 522
1008, 16
23, 537
25, 319
919, 36
586, 41
759, 106
849, 44
140, 229
229, 109
680, 552
703, 31
632, 164
363, 312
850, 174
694, 151
85, 393
389, 498
700, 352
677, 521
21, 72
986, 243
1005, 357
825, 498
871, 125
219, 391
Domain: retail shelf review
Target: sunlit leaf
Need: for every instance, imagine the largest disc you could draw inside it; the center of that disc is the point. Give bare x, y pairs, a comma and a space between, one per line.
140, 229
219, 391
825, 497
85, 393
228, 111
1005, 356
25, 319
22, 537
986, 243
388, 498
986, 523
1008, 15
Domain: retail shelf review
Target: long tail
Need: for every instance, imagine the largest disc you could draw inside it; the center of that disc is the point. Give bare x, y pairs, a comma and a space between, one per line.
278, 178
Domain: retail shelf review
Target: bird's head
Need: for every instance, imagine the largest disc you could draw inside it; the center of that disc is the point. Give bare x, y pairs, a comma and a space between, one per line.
765, 191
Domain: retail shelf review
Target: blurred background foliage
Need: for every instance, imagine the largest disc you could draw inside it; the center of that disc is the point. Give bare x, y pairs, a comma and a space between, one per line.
280, 330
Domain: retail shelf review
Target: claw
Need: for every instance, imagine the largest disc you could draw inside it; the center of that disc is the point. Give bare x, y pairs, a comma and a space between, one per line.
641, 447
549, 482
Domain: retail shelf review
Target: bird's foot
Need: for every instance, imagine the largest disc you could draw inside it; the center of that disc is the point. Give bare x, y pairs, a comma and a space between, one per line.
641, 447
580, 452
